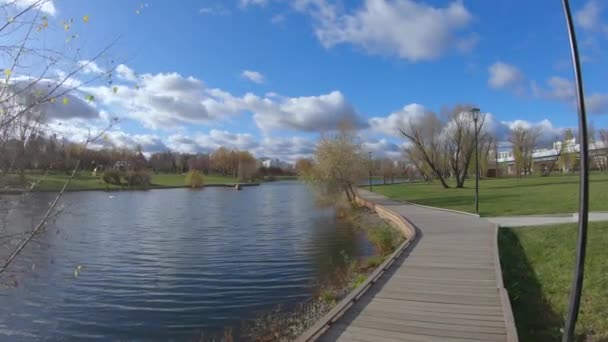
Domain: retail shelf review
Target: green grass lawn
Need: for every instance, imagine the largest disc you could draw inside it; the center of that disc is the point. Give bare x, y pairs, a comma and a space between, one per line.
511, 196
538, 265
85, 181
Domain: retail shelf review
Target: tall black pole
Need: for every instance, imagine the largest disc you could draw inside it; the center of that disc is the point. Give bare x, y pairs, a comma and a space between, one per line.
583, 208
476, 167
370, 171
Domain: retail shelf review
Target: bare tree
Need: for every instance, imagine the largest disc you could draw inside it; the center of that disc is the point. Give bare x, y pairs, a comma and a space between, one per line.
459, 135
425, 138
602, 150
524, 141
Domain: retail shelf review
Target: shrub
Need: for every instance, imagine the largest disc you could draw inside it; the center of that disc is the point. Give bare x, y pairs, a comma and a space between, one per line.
383, 238
111, 177
373, 262
194, 179
138, 178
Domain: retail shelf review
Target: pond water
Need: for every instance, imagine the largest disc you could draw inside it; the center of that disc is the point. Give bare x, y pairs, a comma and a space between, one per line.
166, 264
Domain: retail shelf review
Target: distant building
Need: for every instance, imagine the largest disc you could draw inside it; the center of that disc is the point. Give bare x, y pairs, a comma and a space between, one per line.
268, 163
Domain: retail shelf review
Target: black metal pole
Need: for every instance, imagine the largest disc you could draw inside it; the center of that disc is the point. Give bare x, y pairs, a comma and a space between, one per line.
583, 208
476, 170
370, 171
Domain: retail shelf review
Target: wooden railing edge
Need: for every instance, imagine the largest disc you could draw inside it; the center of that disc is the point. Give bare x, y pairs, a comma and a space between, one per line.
409, 231
507, 310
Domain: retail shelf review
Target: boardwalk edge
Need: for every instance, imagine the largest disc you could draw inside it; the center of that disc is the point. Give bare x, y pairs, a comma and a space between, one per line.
407, 229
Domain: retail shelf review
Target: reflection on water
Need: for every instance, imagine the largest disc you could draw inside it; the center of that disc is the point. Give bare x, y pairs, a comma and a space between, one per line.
165, 264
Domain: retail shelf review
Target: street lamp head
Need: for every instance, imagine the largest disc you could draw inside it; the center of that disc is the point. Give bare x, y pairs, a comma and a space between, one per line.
475, 112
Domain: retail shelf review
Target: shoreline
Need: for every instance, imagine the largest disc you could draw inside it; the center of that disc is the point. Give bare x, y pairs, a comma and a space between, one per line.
16, 191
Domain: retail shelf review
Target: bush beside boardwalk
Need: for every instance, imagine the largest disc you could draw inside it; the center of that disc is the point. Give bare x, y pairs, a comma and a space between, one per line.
537, 265
287, 325
505, 197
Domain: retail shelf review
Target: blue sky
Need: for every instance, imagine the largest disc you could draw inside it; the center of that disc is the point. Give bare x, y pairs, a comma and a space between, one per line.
312, 63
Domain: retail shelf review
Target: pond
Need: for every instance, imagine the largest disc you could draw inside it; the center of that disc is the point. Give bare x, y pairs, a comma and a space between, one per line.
166, 264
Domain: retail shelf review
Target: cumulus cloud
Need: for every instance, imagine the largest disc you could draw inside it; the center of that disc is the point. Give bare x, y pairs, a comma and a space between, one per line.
90, 67
589, 17
68, 106
548, 132
391, 124
245, 3
46, 7
253, 76
404, 28
382, 148
170, 99
503, 75
306, 113
149, 143
125, 73
288, 149
562, 89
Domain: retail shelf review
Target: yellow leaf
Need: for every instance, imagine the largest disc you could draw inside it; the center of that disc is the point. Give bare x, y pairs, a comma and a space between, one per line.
105, 137
7, 72
90, 98
115, 89
65, 101
85, 18
45, 23
66, 27
53, 100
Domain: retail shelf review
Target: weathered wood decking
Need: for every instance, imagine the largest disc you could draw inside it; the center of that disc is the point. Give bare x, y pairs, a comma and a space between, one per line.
446, 287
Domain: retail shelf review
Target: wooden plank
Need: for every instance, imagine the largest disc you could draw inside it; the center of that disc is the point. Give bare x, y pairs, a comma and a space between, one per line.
448, 287
431, 331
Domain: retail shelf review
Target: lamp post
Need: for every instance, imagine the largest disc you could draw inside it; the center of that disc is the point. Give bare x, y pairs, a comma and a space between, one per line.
475, 113
370, 171
583, 207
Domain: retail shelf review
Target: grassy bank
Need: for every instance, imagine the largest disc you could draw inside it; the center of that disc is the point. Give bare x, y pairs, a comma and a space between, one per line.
537, 267
85, 181
287, 325
498, 197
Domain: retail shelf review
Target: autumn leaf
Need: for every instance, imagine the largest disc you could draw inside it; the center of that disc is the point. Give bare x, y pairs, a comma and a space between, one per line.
7, 72
90, 98
115, 89
53, 100
66, 27
65, 101
85, 18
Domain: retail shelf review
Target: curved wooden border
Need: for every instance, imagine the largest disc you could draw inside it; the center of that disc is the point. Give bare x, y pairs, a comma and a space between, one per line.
503, 294
407, 229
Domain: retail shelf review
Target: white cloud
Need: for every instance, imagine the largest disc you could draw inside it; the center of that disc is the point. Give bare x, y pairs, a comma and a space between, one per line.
597, 103
126, 73
562, 89
149, 143
404, 28
278, 18
288, 149
253, 76
90, 67
46, 7
74, 107
169, 99
383, 148
391, 124
503, 75
548, 132
589, 17
245, 3
306, 113
214, 10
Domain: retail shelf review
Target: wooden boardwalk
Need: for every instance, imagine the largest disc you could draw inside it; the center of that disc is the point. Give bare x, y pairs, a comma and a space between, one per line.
446, 287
